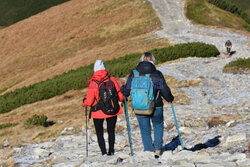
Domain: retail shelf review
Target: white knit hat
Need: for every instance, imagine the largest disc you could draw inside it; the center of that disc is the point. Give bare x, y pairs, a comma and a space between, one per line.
99, 65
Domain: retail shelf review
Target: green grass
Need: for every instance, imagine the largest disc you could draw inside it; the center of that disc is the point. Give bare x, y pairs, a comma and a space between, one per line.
202, 12
12, 11
237, 65
36, 120
230, 7
197, 11
244, 5
77, 79
7, 125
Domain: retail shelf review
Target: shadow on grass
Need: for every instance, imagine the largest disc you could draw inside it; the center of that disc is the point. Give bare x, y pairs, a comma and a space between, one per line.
49, 123
175, 143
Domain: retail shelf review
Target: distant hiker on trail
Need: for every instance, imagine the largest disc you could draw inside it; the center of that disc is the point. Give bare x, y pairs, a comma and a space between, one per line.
145, 86
103, 96
228, 45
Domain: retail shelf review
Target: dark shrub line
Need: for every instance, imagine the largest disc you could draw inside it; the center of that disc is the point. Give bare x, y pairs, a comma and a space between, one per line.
12, 11
7, 125
237, 65
77, 79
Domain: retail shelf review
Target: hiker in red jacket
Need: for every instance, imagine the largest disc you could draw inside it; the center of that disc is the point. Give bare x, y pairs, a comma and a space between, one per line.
103, 96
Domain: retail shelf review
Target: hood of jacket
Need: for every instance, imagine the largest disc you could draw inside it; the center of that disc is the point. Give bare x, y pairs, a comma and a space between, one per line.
100, 75
145, 67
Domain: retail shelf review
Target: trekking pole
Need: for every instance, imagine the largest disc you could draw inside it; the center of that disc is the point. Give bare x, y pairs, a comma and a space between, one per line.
176, 125
128, 126
86, 113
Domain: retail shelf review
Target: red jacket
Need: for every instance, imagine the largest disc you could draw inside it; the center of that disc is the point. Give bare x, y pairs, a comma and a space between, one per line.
93, 92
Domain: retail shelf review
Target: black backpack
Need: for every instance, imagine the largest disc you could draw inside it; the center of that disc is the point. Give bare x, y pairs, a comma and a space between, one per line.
108, 98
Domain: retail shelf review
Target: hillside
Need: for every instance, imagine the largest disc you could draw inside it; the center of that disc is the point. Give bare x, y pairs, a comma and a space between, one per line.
12, 11
212, 108
71, 35
243, 4
205, 13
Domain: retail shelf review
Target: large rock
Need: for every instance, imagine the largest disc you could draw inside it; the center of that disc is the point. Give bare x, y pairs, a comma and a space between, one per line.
184, 164
144, 156
38, 165
114, 160
185, 130
167, 155
235, 138
185, 155
203, 157
123, 155
225, 163
68, 131
40, 153
235, 157
209, 165
243, 163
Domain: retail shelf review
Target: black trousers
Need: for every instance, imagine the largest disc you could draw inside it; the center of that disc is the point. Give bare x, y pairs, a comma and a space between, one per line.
111, 122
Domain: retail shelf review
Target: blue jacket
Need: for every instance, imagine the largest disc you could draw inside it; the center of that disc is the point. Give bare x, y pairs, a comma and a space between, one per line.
158, 81
228, 43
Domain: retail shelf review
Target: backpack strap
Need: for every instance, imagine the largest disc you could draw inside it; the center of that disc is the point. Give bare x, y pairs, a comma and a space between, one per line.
97, 106
136, 73
99, 82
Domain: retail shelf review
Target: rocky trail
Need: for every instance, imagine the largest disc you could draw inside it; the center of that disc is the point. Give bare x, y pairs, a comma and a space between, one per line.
215, 126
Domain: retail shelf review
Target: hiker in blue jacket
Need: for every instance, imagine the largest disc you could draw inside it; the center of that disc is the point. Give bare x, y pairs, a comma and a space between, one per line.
160, 89
228, 46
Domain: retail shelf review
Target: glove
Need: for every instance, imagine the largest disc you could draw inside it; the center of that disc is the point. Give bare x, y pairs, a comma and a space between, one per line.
83, 100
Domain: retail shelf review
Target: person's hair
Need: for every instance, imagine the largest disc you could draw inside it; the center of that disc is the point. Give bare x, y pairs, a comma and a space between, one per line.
147, 56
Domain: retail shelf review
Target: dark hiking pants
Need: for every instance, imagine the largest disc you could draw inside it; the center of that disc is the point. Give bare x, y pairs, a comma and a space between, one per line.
111, 122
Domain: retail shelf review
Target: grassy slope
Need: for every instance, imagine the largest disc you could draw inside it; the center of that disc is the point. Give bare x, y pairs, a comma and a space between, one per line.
202, 12
12, 11
64, 37
71, 35
77, 79
243, 4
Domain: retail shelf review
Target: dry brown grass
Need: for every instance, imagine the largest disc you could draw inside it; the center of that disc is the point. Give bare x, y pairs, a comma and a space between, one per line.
64, 110
235, 70
174, 84
213, 121
71, 35
7, 159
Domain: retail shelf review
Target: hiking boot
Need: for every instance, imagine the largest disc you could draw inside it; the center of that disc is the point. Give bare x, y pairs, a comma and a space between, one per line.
158, 152
157, 156
104, 153
111, 153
